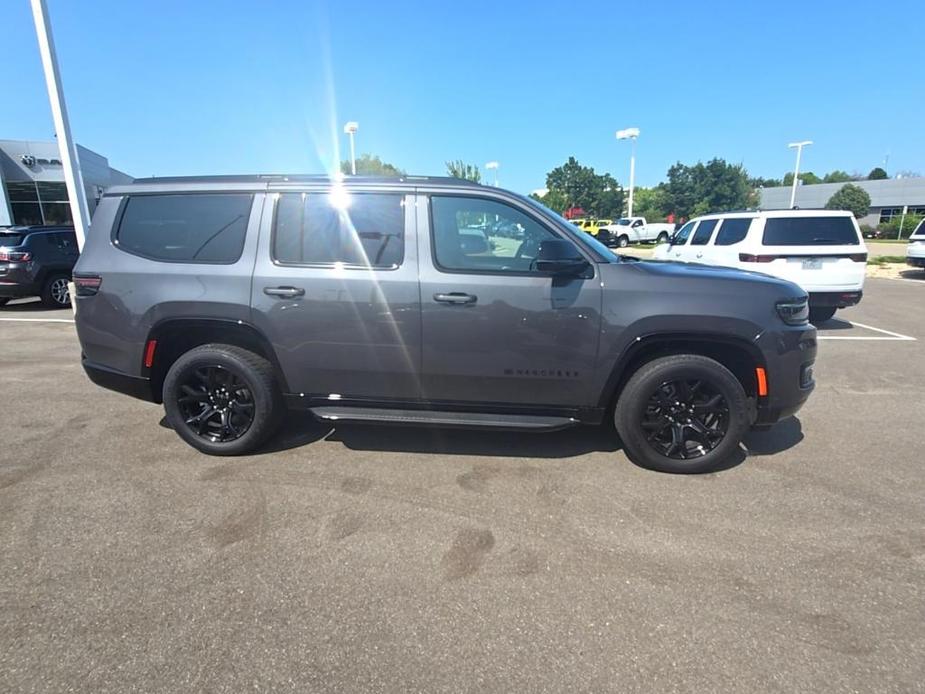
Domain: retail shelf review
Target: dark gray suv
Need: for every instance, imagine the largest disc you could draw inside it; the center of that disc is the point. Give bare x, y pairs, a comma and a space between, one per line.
399, 300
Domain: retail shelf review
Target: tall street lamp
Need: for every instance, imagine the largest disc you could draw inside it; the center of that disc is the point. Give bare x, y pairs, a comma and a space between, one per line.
796, 169
630, 134
351, 129
493, 166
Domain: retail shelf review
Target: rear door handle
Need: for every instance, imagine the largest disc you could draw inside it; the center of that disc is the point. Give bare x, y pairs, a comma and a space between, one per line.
285, 292
456, 298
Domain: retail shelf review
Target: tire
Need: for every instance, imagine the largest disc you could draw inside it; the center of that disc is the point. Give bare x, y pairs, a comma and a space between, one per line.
662, 238
55, 293
820, 314
236, 385
623, 241
642, 426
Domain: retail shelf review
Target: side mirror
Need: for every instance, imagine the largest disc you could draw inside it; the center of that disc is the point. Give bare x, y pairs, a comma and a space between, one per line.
560, 257
672, 238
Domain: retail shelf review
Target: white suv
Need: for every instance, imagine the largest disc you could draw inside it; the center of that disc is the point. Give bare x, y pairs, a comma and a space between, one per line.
915, 251
821, 250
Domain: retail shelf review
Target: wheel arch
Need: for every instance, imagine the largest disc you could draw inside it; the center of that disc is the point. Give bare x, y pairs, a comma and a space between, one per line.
736, 354
176, 336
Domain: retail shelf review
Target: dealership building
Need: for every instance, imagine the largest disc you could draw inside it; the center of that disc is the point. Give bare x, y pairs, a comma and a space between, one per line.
888, 197
32, 189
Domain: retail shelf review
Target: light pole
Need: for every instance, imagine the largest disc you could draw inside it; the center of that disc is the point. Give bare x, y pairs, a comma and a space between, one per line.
351, 129
493, 165
630, 134
796, 169
73, 179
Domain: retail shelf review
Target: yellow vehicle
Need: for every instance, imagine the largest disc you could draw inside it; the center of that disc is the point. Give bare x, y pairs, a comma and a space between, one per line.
591, 226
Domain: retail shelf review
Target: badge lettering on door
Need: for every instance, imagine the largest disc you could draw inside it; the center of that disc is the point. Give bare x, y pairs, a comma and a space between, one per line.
542, 373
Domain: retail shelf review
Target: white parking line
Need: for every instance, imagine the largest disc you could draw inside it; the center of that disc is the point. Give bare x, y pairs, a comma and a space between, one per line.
892, 336
38, 320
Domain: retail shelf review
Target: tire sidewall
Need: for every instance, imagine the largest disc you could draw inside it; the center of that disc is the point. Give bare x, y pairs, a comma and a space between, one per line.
266, 406
634, 398
623, 242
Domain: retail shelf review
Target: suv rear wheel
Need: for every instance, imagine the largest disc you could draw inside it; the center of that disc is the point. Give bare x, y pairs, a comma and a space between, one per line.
222, 400
684, 413
55, 293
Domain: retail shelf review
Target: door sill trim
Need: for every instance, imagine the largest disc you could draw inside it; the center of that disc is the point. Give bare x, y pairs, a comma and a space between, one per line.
438, 418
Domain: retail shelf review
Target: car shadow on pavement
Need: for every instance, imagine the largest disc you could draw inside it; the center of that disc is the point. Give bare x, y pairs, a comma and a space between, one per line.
913, 275
779, 438
834, 324
29, 306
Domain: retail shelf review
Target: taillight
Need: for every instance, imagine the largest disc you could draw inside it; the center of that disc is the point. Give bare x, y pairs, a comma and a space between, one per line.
87, 285
749, 258
858, 257
15, 256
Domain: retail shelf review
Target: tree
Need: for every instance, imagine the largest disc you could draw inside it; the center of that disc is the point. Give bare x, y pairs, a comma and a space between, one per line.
837, 176
598, 194
877, 174
650, 203
553, 199
808, 178
467, 172
852, 198
370, 165
759, 182
712, 187
891, 230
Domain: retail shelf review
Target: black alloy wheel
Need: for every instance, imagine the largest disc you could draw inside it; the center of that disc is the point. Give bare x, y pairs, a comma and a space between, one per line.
682, 413
222, 399
685, 419
215, 403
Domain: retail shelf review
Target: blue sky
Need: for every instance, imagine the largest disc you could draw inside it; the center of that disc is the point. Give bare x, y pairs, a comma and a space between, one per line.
170, 87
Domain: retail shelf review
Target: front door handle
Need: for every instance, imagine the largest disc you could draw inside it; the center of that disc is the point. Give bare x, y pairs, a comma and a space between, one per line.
285, 292
456, 298
700, 255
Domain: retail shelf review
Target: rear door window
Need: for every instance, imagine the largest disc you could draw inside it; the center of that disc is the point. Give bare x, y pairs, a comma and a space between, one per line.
185, 228
704, 232
731, 231
810, 231
364, 230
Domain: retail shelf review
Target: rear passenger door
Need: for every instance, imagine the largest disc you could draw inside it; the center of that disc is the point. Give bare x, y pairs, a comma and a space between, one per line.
335, 290
725, 247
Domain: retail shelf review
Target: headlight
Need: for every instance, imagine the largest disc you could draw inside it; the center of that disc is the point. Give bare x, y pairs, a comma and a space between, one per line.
794, 311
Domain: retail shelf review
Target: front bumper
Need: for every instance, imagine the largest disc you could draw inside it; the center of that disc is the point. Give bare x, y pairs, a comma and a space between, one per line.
836, 299
136, 386
789, 356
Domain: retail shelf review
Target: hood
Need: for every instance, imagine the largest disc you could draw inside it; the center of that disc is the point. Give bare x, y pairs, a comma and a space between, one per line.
686, 273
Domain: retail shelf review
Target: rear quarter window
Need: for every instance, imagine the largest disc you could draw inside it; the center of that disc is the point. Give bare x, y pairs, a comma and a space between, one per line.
10, 239
185, 228
810, 231
732, 231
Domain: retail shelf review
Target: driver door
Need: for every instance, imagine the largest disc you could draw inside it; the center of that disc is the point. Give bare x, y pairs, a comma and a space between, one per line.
494, 329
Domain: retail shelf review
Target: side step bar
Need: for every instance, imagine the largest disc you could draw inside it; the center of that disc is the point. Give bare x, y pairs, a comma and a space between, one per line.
444, 419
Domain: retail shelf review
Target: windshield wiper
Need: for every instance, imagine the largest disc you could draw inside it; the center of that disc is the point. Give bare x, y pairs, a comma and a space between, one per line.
832, 241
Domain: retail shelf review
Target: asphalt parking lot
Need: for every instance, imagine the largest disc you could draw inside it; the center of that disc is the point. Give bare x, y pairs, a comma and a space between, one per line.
404, 559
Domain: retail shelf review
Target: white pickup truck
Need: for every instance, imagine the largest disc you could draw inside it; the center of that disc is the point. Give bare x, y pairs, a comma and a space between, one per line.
629, 230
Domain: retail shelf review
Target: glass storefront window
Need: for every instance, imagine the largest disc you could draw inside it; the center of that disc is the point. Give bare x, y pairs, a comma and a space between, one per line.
43, 202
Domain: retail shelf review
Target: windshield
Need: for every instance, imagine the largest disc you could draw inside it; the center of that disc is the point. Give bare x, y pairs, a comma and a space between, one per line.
624, 222
563, 224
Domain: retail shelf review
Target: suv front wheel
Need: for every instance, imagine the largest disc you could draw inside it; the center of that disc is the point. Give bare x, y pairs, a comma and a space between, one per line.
684, 413
222, 400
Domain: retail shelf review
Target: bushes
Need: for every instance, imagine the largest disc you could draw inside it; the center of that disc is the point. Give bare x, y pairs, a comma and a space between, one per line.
889, 230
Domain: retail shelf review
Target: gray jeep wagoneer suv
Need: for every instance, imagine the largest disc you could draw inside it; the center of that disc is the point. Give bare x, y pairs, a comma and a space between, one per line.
399, 300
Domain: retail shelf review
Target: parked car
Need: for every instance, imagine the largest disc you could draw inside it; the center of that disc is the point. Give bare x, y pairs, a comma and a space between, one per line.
37, 261
629, 230
230, 298
820, 250
915, 251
